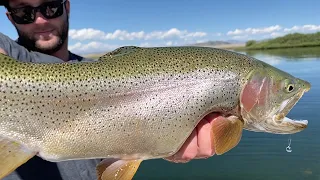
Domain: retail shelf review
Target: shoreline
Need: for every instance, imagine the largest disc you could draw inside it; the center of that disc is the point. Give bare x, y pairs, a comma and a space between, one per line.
273, 48
224, 46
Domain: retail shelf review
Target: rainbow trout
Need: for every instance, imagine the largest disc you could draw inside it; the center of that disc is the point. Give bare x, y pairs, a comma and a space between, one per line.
136, 104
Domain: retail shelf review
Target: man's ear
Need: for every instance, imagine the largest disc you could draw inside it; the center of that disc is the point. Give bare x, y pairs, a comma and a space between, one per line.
10, 18
68, 7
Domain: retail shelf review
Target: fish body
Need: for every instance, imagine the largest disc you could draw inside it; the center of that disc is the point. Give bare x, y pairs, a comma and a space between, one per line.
141, 103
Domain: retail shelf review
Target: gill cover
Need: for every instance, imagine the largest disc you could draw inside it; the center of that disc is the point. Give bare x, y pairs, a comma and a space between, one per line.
255, 96
267, 97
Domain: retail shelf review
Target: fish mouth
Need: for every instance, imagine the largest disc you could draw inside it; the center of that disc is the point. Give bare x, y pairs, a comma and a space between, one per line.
285, 107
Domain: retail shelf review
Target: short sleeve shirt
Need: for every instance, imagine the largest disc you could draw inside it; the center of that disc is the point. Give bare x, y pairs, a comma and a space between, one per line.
16, 51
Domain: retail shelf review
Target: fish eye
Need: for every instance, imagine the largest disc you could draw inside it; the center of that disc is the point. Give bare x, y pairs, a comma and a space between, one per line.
290, 87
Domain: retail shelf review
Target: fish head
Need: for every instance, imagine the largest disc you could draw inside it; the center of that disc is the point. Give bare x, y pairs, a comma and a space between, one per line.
267, 97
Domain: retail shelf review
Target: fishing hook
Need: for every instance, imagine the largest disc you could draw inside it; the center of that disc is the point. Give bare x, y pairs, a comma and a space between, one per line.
288, 148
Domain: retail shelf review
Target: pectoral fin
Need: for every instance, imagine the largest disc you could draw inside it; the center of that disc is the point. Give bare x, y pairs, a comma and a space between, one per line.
12, 155
117, 169
226, 133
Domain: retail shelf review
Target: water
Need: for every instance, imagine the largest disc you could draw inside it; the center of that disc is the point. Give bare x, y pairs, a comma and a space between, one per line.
263, 156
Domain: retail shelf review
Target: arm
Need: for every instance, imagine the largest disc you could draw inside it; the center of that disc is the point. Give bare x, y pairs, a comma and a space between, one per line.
11, 48
16, 51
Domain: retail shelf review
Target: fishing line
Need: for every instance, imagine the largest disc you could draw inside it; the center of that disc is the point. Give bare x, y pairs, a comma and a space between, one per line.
288, 148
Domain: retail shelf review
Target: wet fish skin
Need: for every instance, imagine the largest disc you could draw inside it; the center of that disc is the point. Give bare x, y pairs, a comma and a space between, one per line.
70, 111
135, 103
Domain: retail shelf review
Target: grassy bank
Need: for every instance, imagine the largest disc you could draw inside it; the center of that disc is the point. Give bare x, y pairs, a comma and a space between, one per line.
293, 54
287, 41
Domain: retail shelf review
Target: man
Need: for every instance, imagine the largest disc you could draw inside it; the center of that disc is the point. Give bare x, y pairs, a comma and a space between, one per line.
43, 38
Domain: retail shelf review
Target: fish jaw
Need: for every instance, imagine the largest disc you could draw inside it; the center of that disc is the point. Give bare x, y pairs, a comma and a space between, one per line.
288, 104
285, 124
269, 104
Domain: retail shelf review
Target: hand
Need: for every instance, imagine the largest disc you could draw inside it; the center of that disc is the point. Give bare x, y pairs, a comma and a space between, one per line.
199, 143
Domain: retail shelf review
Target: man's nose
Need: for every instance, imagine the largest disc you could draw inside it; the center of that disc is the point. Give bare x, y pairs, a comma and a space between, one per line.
40, 19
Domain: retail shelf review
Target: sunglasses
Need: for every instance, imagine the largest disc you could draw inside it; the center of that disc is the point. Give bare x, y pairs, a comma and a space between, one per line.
27, 14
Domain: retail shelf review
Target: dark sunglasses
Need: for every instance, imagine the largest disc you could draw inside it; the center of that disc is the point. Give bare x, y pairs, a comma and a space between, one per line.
27, 14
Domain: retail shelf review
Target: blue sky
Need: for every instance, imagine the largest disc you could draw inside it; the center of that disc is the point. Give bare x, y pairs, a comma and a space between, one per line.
104, 25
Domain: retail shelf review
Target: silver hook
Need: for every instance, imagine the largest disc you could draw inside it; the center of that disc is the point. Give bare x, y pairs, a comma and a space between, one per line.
288, 148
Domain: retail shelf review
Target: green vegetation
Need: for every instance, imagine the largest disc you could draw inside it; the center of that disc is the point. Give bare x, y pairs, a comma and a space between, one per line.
287, 41
250, 43
293, 54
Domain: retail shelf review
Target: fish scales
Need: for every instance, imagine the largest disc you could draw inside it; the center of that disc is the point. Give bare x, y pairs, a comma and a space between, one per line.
72, 111
134, 103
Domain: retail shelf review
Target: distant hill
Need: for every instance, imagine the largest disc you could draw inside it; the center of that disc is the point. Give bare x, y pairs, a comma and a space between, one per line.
232, 41
210, 43
287, 41
232, 44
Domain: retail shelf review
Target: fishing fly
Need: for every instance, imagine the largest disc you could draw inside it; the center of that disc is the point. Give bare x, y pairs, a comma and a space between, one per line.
288, 148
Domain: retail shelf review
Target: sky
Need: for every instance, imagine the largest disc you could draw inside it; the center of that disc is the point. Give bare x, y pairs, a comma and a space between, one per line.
103, 25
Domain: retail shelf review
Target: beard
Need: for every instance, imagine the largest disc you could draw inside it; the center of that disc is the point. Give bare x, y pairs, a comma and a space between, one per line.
30, 43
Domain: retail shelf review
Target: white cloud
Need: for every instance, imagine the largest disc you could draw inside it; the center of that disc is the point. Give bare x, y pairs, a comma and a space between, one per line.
84, 34
171, 37
235, 32
93, 34
196, 34
123, 35
270, 32
169, 43
240, 37
304, 28
91, 47
98, 47
251, 31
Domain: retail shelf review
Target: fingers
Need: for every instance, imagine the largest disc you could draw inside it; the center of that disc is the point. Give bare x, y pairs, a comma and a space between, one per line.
199, 143
212, 116
188, 150
204, 134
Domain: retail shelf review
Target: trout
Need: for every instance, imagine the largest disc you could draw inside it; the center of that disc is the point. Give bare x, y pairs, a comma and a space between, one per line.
136, 104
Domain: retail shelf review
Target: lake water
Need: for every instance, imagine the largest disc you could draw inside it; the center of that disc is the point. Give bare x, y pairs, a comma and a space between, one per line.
263, 156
